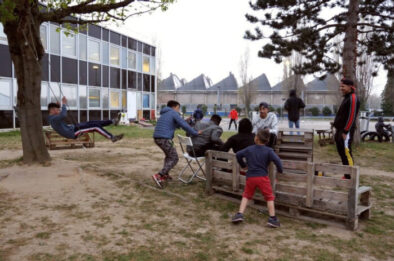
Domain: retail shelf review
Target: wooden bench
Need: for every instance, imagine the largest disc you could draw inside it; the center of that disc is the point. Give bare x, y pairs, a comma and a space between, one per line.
55, 141
299, 192
295, 144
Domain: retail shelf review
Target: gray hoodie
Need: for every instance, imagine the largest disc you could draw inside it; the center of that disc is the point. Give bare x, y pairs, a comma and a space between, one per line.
210, 134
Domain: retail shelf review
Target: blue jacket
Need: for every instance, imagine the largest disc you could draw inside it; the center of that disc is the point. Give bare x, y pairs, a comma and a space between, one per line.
198, 114
58, 123
169, 121
258, 158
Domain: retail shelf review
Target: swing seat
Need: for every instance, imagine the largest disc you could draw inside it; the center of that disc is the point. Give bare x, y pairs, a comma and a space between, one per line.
55, 141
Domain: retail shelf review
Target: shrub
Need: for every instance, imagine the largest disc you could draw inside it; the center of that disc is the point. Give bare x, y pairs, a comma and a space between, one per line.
314, 111
204, 109
215, 108
271, 108
326, 111
183, 109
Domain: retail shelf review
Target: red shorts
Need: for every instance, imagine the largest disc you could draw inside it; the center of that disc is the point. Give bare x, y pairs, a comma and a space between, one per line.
263, 183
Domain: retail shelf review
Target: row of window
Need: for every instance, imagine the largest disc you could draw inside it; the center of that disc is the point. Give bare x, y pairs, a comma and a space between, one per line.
82, 97
90, 49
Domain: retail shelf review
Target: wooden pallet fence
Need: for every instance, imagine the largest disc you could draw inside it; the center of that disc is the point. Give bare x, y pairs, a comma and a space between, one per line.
55, 141
295, 144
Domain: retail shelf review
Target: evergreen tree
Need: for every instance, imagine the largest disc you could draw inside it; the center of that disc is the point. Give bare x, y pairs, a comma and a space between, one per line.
388, 95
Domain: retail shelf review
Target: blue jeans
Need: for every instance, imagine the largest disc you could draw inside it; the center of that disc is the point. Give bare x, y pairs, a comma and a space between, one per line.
297, 125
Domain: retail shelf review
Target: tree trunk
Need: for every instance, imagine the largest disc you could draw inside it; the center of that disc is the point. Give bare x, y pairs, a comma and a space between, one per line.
26, 52
350, 53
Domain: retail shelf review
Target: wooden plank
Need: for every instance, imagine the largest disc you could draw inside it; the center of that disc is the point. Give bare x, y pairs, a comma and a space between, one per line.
334, 168
221, 164
309, 184
295, 130
208, 173
291, 138
222, 154
332, 182
292, 155
294, 165
363, 189
235, 174
352, 220
301, 191
319, 194
285, 147
291, 177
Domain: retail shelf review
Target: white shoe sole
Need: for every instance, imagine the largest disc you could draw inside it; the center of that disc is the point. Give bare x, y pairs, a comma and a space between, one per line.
272, 225
157, 182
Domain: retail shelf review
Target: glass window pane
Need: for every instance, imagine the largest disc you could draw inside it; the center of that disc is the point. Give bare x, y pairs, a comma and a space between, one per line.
104, 97
70, 91
69, 70
152, 101
3, 36
5, 94
114, 97
82, 97
115, 77
145, 101
124, 58
152, 65
43, 36
55, 39
44, 94
15, 87
94, 98
139, 62
146, 83
94, 50
114, 56
55, 68
132, 79
54, 92
69, 45
145, 65
94, 74
132, 60
105, 53
82, 46
139, 105
124, 100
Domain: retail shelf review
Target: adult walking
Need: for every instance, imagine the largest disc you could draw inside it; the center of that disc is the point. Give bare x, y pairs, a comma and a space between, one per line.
293, 105
345, 123
233, 118
266, 120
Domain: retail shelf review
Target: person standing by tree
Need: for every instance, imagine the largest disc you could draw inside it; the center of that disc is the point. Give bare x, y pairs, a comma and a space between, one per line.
233, 118
345, 123
293, 105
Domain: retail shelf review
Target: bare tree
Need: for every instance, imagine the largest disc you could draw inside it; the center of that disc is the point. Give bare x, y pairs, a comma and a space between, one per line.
22, 20
246, 91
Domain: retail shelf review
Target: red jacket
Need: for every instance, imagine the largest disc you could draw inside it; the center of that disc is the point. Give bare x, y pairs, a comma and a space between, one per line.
233, 115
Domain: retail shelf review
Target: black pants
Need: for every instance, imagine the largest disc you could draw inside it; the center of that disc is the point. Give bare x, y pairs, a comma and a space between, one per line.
340, 143
93, 126
235, 123
272, 142
200, 151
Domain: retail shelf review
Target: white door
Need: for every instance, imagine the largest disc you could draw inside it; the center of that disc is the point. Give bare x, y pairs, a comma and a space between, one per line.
131, 105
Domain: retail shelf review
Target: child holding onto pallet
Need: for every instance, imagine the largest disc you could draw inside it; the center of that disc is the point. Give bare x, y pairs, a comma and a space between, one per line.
258, 157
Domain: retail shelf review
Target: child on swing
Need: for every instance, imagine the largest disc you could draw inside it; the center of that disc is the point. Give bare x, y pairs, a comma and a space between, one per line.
258, 157
57, 118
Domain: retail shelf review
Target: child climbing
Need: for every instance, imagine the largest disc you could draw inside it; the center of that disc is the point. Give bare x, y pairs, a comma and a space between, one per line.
57, 118
164, 133
258, 158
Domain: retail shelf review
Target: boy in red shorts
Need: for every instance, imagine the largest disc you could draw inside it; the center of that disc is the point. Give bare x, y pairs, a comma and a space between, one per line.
258, 158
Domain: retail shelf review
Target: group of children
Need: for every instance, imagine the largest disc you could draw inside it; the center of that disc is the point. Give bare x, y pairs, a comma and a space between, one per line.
258, 158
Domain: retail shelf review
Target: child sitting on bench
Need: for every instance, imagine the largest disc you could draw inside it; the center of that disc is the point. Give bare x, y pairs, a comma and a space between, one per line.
258, 157
57, 118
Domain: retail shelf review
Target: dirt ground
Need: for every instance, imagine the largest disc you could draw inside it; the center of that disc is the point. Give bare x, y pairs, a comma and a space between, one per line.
100, 204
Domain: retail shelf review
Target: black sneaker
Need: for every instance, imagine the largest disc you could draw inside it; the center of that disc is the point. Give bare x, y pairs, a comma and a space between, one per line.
237, 218
117, 137
273, 222
117, 119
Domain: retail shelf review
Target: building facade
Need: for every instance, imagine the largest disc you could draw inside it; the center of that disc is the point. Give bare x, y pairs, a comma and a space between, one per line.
100, 71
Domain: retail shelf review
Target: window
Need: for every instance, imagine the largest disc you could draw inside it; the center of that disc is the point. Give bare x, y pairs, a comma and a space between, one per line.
94, 74
146, 49
145, 101
105, 76
94, 30
145, 64
104, 97
82, 47
5, 61
105, 53
124, 58
55, 39
124, 79
105, 35
115, 77
15, 87
70, 91
132, 79
45, 67
43, 36
139, 62
124, 100
3, 36
5, 94
94, 50
152, 101
94, 98
152, 83
146, 83
54, 92
115, 38
152, 65
83, 73
114, 99
139, 106
69, 70
82, 97
69, 43
114, 56
132, 60
132, 44
44, 94
55, 68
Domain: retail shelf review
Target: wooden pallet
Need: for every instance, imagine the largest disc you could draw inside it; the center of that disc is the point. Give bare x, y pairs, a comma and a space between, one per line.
299, 193
325, 137
55, 141
295, 144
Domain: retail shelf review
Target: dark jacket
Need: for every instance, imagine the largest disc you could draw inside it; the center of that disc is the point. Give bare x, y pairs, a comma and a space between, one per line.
346, 116
169, 121
198, 114
258, 158
210, 135
238, 142
293, 106
58, 123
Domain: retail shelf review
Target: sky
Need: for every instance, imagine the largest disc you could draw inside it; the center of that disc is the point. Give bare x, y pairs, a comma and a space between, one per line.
206, 36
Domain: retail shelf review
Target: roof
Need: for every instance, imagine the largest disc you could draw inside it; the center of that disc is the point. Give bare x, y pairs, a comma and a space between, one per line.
200, 83
261, 83
227, 84
171, 83
329, 83
293, 82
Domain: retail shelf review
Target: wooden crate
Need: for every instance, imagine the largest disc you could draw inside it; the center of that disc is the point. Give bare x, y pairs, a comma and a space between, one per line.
295, 144
298, 191
55, 141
